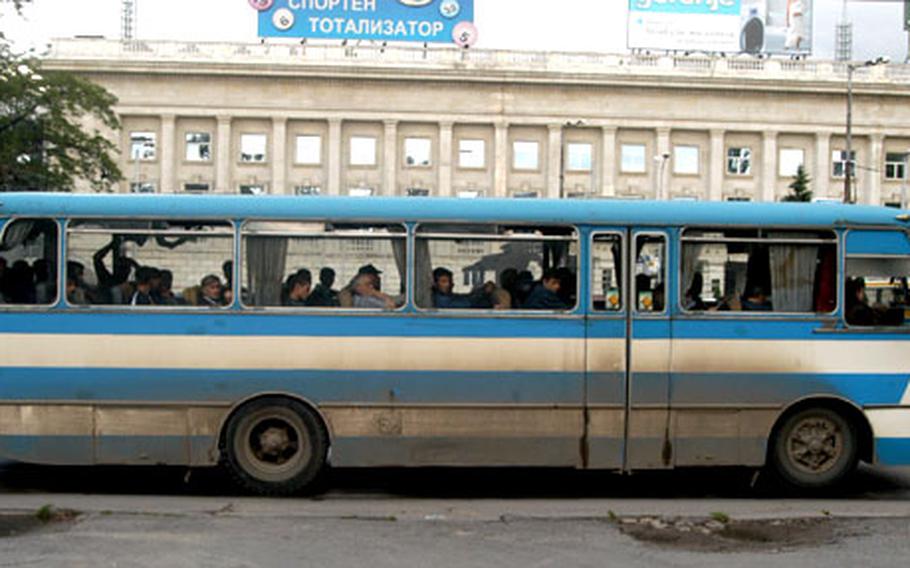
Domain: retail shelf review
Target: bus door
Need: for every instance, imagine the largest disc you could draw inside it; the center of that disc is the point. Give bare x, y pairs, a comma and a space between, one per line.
628, 340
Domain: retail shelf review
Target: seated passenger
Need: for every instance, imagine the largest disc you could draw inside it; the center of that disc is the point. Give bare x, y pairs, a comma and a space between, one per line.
545, 296
693, 299
211, 293
756, 300
299, 288
71, 288
164, 294
366, 290
443, 297
322, 294
857, 310
145, 277
45, 288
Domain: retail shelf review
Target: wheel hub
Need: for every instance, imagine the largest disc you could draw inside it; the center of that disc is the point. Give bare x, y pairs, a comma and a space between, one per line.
274, 441
815, 445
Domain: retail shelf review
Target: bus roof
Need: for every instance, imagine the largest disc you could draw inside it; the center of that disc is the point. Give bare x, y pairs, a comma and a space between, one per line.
543, 211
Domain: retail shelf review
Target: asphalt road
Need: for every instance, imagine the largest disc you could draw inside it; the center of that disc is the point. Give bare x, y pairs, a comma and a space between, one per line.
448, 517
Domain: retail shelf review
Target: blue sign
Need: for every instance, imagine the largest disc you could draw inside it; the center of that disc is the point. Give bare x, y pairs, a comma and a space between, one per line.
719, 7
437, 21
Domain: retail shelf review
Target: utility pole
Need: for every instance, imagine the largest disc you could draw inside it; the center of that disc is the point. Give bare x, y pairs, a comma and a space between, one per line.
849, 165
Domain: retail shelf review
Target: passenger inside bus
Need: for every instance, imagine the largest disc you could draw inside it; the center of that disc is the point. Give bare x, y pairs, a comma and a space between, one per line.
211, 293
323, 295
299, 288
545, 295
365, 291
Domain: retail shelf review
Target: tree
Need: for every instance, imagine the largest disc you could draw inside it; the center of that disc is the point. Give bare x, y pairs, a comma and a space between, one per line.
799, 187
44, 144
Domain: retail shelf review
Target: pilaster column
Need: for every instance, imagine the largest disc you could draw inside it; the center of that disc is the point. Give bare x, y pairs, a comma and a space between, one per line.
555, 166
333, 161
500, 160
445, 159
223, 155
874, 170
279, 155
716, 160
390, 158
662, 172
608, 162
822, 166
769, 162
168, 181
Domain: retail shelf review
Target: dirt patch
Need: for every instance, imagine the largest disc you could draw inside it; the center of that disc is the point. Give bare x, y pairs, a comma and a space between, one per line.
46, 517
720, 534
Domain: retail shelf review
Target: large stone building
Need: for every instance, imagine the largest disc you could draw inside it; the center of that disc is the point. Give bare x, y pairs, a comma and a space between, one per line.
369, 119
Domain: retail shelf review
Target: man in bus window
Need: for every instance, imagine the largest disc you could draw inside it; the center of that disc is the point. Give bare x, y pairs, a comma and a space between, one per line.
858, 311
210, 292
323, 295
299, 289
443, 296
366, 290
545, 296
145, 279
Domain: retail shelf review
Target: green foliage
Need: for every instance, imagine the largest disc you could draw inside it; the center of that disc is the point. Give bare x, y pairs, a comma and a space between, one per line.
44, 143
720, 517
799, 187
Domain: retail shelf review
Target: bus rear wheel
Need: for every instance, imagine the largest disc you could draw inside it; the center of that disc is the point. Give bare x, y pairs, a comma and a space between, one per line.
815, 448
274, 446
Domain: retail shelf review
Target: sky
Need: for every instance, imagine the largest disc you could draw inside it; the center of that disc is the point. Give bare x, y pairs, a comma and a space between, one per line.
576, 25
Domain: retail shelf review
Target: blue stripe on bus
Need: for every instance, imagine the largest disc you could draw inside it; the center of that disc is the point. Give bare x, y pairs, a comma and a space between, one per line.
320, 386
892, 451
439, 387
331, 325
738, 389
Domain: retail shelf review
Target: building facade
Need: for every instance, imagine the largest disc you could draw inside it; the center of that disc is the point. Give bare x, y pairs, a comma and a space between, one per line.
377, 120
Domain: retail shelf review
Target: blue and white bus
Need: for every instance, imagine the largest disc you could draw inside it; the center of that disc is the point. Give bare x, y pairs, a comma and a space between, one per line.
277, 335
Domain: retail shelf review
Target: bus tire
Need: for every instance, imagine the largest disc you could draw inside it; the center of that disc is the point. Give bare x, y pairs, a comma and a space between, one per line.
815, 448
274, 446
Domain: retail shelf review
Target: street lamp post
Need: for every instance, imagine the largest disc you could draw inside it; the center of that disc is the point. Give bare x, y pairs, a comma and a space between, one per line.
848, 158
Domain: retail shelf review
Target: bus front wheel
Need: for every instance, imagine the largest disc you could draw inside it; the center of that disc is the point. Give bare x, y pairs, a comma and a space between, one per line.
815, 448
274, 446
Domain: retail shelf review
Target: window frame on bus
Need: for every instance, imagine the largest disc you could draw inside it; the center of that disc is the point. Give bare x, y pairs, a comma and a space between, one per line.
843, 257
633, 305
322, 310
126, 308
59, 277
623, 234
572, 311
837, 241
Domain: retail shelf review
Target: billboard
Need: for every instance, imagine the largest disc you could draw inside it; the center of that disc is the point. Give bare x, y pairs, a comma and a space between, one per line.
731, 26
437, 21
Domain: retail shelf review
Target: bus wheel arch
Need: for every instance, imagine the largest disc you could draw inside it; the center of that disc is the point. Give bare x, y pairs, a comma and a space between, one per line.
820, 416
274, 444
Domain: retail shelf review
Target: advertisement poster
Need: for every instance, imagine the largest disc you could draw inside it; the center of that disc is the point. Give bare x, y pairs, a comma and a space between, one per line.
729, 26
436, 21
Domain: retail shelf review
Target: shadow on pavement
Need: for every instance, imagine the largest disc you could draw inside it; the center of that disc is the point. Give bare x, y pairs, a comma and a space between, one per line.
467, 483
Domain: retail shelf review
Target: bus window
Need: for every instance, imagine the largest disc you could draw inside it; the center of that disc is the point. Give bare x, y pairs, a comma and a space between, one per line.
28, 262
759, 271
650, 279
876, 293
496, 267
149, 263
324, 265
606, 273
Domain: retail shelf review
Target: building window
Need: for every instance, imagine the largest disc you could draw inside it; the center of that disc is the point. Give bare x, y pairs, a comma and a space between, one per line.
142, 146
790, 159
417, 152
142, 187
525, 155
309, 150
685, 160
739, 198
739, 161
363, 151
252, 148
471, 154
895, 166
839, 163
307, 190
579, 157
252, 189
418, 192
360, 191
469, 193
632, 159
526, 194
196, 187
198, 146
